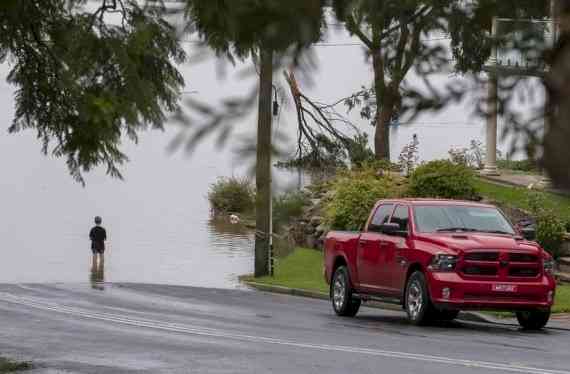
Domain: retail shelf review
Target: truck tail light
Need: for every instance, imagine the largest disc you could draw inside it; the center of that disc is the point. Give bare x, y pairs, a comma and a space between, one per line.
443, 262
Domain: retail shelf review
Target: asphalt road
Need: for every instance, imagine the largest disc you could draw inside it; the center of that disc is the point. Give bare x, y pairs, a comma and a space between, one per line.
132, 328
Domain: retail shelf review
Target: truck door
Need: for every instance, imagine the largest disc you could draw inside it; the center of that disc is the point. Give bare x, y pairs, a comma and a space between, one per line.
396, 252
371, 254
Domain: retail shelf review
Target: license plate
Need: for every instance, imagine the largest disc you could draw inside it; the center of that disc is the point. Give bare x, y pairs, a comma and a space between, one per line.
504, 288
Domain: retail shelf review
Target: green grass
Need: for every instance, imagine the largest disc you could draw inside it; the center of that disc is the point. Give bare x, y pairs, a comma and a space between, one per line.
302, 269
9, 366
562, 299
518, 197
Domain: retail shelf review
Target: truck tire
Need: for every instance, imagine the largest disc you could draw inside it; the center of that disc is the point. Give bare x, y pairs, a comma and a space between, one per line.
341, 294
533, 319
417, 300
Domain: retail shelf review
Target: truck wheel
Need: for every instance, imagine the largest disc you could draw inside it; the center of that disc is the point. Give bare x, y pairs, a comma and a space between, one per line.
341, 294
417, 300
533, 319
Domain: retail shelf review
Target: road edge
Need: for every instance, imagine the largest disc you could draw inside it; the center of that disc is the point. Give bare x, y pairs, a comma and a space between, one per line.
468, 316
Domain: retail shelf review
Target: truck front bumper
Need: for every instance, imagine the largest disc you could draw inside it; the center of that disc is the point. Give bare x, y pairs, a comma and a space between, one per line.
451, 291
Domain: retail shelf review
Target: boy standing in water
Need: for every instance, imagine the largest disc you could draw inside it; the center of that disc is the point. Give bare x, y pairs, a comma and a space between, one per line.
98, 235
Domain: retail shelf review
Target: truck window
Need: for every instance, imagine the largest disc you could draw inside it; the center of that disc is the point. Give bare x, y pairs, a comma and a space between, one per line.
382, 215
401, 217
433, 218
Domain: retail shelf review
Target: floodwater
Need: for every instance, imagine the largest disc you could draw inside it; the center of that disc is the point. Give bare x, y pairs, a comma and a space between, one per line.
158, 219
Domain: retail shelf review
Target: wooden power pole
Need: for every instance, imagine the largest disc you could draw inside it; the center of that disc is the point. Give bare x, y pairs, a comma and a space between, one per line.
263, 166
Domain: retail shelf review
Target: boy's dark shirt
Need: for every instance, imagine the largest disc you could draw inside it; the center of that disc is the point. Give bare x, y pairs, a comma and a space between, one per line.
98, 235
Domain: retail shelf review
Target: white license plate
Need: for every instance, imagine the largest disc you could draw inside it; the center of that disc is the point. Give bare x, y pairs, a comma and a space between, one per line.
504, 288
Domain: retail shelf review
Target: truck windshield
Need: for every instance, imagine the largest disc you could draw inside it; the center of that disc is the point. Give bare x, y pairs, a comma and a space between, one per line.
456, 218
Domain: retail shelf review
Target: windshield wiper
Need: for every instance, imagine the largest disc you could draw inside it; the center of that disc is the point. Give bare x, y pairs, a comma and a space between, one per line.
467, 229
463, 229
496, 232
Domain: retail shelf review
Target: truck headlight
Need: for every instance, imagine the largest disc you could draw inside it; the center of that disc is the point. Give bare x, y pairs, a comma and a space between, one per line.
549, 265
443, 262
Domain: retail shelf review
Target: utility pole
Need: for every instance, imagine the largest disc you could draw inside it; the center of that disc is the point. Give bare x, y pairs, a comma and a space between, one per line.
492, 96
263, 166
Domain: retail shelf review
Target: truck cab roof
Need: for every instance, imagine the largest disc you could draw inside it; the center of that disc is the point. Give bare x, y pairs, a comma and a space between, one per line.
432, 201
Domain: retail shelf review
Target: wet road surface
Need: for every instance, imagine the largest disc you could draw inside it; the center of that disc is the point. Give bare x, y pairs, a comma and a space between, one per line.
137, 328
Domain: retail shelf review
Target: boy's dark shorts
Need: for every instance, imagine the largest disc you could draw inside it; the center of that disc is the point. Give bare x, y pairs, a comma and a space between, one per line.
99, 251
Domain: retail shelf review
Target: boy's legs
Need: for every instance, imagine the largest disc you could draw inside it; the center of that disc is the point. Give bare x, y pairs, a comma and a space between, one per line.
94, 264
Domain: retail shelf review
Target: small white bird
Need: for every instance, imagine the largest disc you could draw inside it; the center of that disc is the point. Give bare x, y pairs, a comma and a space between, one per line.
234, 219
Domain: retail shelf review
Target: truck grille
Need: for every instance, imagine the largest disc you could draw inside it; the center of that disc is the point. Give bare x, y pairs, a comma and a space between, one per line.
480, 270
522, 257
482, 256
500, 265
523, 272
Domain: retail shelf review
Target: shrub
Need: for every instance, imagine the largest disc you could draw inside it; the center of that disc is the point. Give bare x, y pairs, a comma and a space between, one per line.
232, 195
550, 229
287, 207
519, 165
550, 232
444, 179
355, 193
375, 165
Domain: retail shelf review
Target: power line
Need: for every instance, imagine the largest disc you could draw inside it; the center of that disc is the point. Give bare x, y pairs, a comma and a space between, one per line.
346, 44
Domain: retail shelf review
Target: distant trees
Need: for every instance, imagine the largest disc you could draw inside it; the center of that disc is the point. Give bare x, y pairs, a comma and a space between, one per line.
430, 36
83, 82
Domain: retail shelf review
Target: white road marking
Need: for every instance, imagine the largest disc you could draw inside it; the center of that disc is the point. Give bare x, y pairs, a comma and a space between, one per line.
41, 304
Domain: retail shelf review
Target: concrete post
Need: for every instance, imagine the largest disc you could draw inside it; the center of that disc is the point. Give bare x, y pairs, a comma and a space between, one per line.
491, 138
492, 96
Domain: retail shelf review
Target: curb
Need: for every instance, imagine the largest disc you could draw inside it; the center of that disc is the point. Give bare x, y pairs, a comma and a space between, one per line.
467, 316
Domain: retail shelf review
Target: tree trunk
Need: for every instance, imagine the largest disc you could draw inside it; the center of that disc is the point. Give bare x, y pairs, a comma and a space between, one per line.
263, 166
385, 109
382, 134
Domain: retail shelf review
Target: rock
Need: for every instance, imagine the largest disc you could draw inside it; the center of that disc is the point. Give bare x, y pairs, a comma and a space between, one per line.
321, 229
309, 229
315, 201
316, 220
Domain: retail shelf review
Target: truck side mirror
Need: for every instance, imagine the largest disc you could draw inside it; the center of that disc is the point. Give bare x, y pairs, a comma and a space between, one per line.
389, 228
529, 233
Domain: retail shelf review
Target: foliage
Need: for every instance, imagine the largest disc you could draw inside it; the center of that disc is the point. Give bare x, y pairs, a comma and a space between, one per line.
527, 165
550, 229
443, 179
232, 195
286, 207
382, 164
355, 193
82, 82
236, 28
9, 366
408, 158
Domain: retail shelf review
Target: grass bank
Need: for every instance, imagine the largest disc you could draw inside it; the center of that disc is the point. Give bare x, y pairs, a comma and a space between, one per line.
9, 366
517, 197
303, 270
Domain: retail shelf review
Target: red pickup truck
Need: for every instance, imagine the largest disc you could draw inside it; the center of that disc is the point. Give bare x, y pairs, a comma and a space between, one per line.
437, 257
